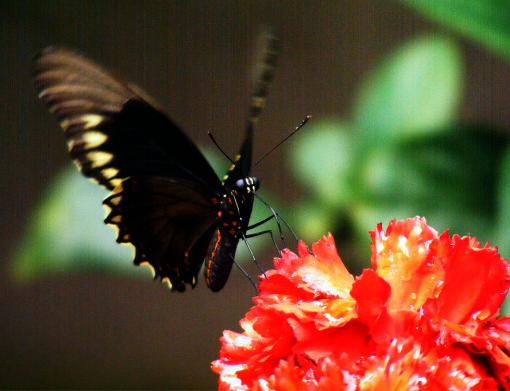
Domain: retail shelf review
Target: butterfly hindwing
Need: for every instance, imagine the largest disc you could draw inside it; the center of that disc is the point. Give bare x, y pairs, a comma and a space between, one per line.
169, 223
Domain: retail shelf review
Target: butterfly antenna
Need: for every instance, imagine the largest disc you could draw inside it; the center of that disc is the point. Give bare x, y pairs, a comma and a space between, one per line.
218, 146
303, 123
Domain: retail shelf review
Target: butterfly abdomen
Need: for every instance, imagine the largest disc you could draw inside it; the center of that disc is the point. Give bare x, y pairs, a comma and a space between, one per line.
220, 259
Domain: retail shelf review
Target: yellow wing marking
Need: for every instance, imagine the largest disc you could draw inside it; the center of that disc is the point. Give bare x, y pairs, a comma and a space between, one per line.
92, 120
166, 281
116, 219
91, 139
99, 158
148, 266
89, 121
115, 182
110, 172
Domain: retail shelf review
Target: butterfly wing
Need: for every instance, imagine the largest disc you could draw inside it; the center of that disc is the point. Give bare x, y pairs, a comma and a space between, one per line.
113, 130
165, 219
162, 185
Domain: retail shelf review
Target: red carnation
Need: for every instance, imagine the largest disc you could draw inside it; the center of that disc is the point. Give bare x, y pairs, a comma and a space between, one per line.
424, 318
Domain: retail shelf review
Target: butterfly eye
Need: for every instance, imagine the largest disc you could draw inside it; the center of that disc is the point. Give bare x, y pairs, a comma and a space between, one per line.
240, 183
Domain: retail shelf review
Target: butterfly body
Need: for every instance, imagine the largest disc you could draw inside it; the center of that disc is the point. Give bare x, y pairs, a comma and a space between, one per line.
220, 259
166, 200
218, 224
233, 207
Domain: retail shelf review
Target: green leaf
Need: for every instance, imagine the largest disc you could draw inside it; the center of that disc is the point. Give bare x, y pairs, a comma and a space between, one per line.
313, 220
505, 308
67, 233
450, 178
415, 91
485, 21
502, 235
321, 159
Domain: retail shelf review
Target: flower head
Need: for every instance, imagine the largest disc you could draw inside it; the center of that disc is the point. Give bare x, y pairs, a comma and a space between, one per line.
424, 318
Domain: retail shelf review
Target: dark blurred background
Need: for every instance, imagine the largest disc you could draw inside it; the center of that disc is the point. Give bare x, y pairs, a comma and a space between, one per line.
103, 330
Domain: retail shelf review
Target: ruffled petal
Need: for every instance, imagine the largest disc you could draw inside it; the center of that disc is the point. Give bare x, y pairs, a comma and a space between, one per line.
351, 340
324, 272
267, 338
409, 365
371, 293
400, 255
424, 319
475, 281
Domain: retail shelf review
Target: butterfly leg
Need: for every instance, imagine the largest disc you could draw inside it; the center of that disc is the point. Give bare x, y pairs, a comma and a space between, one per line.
278, 219
245, 273
252, 254
260, 222
266, 232
263, 221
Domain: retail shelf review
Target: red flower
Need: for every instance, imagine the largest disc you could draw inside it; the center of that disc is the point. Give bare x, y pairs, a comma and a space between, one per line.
425, 318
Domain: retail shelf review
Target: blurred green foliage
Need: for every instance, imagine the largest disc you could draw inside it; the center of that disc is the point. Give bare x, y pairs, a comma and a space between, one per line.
67, 233
485, 21
414, 92
402, 153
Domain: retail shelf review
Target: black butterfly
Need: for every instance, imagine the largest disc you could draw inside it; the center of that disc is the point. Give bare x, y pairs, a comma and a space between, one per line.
166, 199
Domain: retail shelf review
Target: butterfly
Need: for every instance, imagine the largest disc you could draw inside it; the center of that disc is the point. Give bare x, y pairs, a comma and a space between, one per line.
165, 198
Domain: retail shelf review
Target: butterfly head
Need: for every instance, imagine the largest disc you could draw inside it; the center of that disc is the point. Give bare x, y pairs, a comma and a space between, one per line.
248, 185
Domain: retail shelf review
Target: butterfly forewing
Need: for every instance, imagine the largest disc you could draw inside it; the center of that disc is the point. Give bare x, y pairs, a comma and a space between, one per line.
112, 131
